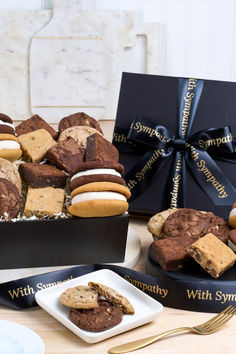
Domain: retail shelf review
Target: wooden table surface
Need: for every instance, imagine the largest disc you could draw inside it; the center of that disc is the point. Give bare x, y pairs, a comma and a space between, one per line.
58, 339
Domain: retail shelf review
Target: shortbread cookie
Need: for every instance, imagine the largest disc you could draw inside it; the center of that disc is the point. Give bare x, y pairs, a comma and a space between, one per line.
9, 147
98, 319
100, 149
232, 217
10, 172
79, 134
80, 297
156, 222
42, 202
212, 255
67, 155
6, 124
35, 123
35, 145
99, 199
9, 199
78, 119
42, 175
113, 296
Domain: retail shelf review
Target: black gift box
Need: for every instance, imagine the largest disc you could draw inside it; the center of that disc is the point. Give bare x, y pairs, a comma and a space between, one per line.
155, 98
41, 243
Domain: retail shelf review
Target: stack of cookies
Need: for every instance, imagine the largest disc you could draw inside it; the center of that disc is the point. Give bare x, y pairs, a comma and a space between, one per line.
9, 146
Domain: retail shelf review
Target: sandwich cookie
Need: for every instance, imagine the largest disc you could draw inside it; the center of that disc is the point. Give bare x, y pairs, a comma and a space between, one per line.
99, 199
101, 171
232, 217
9, 147
6, 124
232, 240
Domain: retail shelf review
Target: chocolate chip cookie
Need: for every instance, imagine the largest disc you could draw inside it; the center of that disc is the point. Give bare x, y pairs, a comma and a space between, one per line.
97, 319
80, 297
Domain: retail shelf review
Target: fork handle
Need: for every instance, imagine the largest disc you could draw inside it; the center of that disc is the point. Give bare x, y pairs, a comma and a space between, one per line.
137, 344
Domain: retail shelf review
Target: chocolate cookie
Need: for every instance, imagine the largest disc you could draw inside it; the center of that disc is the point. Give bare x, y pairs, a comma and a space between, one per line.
88, 165
77, 119
9, 199
10, 172
35, 123
6, 125
99, 148
156, 222
66, 155
42, 175
80, 181
98, 319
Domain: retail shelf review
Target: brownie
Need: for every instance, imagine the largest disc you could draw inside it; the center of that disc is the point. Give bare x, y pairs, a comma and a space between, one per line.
100, 149
98, 319
35, 123
42, 175
9, 199
171, 253
78, 119
66, 155
79, 181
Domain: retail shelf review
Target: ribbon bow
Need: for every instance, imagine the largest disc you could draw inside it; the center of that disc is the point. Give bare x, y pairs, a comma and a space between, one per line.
195, 151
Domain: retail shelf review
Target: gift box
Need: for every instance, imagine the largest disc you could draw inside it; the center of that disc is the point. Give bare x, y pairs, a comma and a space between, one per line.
176, 140
59, 242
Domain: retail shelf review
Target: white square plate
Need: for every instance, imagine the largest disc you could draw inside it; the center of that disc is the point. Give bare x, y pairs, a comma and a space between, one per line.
146, 308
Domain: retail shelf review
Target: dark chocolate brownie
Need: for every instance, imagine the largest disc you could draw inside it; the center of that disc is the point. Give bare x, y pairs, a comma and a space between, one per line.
9, 199
98, 319
42, 175
79, 181
88, 165
79, 118
35, 123
67, 155
100, 149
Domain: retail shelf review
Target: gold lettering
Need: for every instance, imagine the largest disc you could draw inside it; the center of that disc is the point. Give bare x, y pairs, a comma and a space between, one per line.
199, 294
204, 144
144, 286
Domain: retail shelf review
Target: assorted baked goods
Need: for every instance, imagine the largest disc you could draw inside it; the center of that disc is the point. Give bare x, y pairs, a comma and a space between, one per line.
95, 307
9, 146
185, 234
54, 164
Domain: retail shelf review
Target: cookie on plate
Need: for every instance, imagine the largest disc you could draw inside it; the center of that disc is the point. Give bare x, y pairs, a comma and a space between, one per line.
35, 123
114, 297
42, 202
101, 171
99, 199
79, 134
10, 172
42, 175
35, 145
99, 148
9, 199
80, 297
156, 222
67, 155
6, 125
9, 147
97, 319
78, 119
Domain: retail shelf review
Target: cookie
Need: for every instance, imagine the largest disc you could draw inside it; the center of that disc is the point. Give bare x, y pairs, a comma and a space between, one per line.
6, 124
114, 297
80, 297
35, 123
89, 165
67, 155
99, 148
100, 187
9, 199
42, 175
78, 119
42, 202
35, 145
10, 172
156, 222
98, 319
9, 147
232, 240
79, 134
232, 217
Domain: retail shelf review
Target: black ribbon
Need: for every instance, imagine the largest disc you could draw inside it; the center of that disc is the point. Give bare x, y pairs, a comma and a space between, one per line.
195, 296
196, 151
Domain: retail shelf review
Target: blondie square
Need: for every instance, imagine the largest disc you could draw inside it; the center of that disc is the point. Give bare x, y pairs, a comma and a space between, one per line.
35, 145
46, 201
212, 255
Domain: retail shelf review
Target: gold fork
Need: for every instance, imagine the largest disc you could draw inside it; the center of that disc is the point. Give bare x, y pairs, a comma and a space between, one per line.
208, 327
